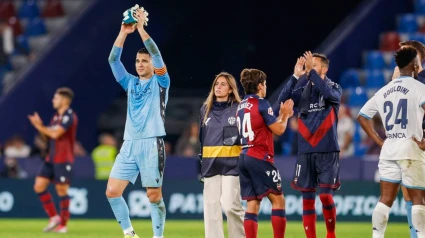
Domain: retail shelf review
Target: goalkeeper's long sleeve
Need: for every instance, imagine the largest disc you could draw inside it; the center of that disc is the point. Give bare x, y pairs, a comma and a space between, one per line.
117, 67
154, 51
158, 63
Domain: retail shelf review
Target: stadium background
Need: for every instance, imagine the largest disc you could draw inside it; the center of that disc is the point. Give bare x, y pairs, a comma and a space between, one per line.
197, 39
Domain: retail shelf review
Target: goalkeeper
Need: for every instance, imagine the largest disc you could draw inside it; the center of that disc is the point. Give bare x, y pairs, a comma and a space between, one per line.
143, 148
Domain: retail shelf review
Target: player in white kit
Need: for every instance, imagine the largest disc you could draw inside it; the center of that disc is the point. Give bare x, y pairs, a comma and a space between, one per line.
401, 105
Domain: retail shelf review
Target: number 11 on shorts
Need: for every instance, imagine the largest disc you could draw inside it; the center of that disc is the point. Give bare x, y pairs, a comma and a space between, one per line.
298, 170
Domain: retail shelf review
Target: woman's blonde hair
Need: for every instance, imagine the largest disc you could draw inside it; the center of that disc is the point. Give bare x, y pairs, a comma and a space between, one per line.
233, 96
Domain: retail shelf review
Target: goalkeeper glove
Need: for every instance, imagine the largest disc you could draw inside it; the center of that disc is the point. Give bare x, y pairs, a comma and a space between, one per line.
129, 15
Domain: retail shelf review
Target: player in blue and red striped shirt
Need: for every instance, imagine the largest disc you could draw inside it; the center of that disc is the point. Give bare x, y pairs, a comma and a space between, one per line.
58, 163
259, 177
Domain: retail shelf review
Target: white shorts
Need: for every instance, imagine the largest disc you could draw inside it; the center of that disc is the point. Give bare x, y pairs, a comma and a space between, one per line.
410, 173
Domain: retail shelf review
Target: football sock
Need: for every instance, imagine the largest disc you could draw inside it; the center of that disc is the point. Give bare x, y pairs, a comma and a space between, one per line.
48, 204
64, 205
418, 219
380, 219
309, 214
121, 212
251, 225
409, 220
329, 211
158, 217
278, 223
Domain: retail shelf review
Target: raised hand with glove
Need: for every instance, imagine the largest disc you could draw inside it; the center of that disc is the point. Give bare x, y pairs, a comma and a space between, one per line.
130, 16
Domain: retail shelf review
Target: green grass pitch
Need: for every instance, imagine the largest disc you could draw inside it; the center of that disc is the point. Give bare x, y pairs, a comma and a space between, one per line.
79, 228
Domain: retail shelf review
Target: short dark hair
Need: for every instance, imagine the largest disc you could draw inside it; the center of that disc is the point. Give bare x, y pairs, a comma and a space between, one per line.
143, 51
419, 46
66, 92
404, 56
323, 58
250, 78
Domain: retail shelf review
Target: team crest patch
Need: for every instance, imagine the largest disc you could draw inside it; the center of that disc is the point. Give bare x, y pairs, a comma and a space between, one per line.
279, 186
231, 120
270, 111
65, 119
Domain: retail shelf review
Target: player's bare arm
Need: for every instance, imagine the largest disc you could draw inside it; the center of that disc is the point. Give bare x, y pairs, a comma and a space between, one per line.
46, 131
421, 143
285, 112
367, 126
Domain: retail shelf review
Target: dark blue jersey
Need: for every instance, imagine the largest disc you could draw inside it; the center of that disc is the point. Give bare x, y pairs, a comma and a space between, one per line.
317, 102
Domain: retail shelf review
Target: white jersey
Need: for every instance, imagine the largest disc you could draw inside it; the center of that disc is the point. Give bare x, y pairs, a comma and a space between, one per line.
399, 103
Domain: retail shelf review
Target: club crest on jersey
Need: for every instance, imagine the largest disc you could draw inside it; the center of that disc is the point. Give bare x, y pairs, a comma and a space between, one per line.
65, 119
231, 120
270, 111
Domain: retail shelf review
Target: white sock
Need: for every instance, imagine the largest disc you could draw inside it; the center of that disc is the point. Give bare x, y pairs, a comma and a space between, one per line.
418, 219
380, 219
128, 230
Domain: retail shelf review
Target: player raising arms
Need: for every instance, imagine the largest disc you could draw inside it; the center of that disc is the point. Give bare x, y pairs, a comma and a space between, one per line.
401, 103
259, 177
143, 148
58, 164
317, 99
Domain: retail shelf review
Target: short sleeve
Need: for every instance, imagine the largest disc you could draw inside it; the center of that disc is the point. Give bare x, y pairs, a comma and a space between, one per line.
369, 109
266, 111
67, 119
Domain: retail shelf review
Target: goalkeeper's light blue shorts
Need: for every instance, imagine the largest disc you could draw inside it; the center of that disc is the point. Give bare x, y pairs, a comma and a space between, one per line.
144, 156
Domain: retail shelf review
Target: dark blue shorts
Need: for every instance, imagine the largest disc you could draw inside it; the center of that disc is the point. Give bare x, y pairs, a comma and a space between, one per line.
258, 178
316, 169
58, 173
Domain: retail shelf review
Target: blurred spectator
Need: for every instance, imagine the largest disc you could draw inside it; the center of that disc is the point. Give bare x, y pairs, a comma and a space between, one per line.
79, 149
168, 148
12, 169
15, 147
289, 139
6, 48
345, 132
6, 42
188, 144
41, 146
374, 149
104, 156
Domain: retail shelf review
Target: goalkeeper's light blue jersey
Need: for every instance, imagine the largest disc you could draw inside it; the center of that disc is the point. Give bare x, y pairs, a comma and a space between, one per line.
146, 99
